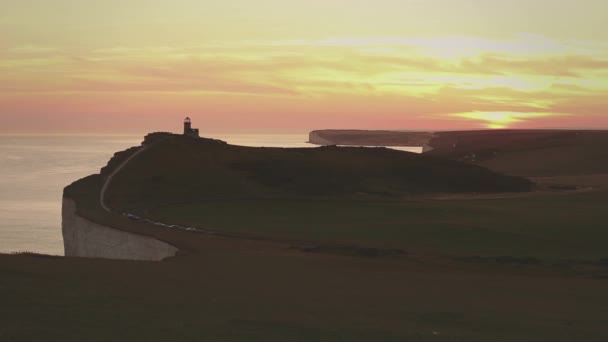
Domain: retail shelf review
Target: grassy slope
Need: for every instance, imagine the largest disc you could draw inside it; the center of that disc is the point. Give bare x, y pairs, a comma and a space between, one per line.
245, 292
550, 227
515, 152
181, 170
530, 153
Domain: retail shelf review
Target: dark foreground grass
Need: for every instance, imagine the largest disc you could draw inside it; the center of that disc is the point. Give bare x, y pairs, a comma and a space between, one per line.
566, 226
233, 293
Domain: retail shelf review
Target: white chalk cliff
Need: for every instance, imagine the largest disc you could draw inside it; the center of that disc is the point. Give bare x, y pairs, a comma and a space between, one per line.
83, 238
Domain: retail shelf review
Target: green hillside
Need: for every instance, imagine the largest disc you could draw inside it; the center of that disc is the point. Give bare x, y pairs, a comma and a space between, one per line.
528, 152
180, 170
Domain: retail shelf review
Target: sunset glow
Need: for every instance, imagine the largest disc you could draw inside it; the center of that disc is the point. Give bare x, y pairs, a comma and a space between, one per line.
502, 119
291, 66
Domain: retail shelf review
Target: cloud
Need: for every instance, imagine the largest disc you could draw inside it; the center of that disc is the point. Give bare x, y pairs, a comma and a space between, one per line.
385, 77
503, 119
561, 66
32, 49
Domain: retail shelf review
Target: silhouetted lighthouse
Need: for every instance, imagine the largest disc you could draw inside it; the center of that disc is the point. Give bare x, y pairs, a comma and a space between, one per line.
188, 130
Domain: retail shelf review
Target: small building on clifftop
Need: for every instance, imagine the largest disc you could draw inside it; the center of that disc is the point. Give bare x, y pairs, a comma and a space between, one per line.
188, 130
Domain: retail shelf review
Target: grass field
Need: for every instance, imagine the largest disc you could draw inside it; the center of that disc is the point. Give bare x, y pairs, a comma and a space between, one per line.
560, 226
261, 292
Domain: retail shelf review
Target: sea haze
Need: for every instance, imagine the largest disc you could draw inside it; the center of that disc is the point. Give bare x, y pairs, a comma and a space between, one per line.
35, 169
33, 172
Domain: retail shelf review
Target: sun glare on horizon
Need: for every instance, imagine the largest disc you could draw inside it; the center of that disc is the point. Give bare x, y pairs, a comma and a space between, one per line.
500, 120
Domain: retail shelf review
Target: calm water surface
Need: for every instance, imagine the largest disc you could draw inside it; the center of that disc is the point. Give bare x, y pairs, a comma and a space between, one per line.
33, 172
35, 169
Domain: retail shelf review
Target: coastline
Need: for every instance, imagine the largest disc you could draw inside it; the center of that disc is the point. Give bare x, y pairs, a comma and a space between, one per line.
84, 238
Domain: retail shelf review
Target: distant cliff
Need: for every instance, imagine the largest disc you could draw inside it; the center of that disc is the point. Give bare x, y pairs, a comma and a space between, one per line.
370, 138
521, 152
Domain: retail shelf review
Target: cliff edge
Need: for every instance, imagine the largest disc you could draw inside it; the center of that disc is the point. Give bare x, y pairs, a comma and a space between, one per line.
84, 238
89, 232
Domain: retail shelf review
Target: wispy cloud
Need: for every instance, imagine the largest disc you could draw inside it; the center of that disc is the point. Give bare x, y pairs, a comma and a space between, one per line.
495, 82
32, 49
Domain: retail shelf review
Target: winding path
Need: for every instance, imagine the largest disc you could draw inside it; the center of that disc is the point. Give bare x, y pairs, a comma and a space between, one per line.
108, 180
104, 188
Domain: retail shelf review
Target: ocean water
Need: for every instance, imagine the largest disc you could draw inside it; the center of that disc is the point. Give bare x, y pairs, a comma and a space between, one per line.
33, 172
35, 169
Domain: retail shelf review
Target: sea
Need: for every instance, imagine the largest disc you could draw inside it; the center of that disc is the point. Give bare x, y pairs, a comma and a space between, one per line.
34, 169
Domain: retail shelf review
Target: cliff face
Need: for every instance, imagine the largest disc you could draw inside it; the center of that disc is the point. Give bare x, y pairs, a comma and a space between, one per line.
315, 137
83, 238
370, 138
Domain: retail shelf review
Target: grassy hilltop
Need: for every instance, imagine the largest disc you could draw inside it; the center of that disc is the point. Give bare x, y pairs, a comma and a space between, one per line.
181, 169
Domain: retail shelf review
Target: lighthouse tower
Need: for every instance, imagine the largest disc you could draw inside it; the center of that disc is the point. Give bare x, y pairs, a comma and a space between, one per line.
188, 130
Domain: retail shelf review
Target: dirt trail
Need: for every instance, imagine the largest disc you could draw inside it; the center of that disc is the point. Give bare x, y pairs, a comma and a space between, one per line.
102, 193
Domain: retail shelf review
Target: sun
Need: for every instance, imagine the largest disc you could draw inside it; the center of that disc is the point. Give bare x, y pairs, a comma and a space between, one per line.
501, 120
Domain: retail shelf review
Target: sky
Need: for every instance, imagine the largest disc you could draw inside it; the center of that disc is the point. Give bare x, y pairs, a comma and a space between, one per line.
266, 66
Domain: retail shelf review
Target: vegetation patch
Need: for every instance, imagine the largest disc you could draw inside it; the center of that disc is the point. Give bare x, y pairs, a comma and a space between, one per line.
359, 251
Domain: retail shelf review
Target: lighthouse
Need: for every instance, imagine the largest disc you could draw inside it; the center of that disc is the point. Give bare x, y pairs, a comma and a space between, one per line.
188, 130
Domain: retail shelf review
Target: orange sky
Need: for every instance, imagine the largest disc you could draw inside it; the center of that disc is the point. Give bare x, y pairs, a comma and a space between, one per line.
292, 66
